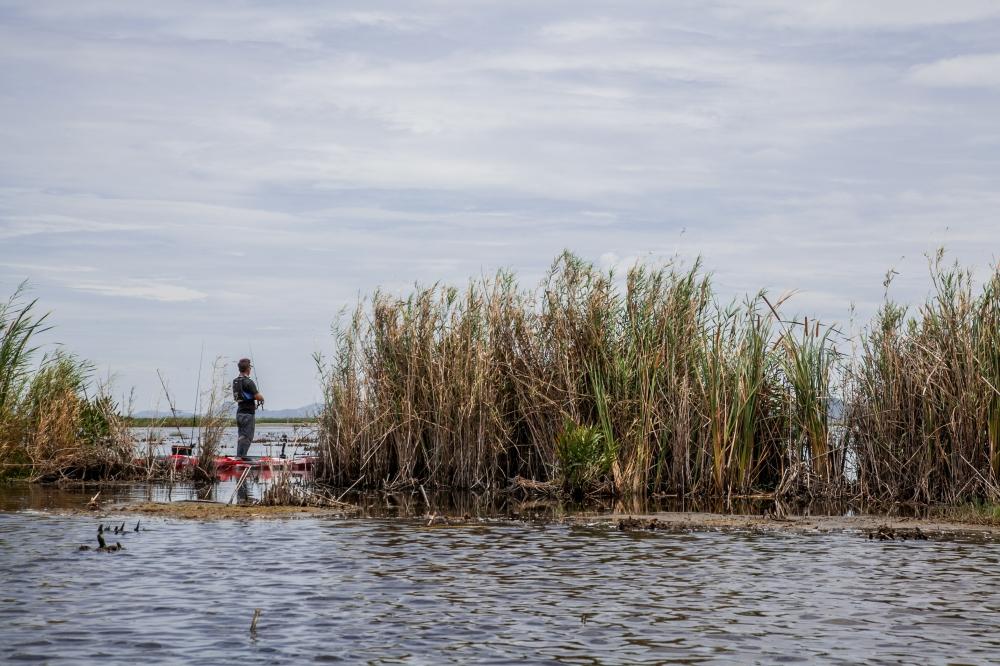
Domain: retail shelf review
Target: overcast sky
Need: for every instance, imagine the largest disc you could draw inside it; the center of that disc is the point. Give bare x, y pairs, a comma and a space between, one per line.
178, 176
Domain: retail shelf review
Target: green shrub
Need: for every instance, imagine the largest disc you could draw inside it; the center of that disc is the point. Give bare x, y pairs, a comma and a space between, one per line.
585, 457
95, 419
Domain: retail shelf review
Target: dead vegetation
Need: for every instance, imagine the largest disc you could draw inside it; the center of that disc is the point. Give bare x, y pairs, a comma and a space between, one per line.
217, 415
924, 411
287, 489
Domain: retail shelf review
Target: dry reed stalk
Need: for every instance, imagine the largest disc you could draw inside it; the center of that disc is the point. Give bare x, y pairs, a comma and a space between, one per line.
217, 415
923, 418
287, 489
70, 434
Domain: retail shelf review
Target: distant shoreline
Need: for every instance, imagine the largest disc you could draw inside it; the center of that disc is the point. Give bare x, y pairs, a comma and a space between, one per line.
191, 422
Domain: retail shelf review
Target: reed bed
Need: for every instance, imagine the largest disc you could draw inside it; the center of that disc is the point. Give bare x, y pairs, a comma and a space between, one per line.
55, 422
924, 414
662, 386
648, 384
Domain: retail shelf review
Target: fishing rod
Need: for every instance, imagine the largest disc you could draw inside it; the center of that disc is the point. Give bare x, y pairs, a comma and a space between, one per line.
253, 371
197, 397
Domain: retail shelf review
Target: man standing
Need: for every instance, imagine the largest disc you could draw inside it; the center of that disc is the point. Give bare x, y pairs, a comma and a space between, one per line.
247, 396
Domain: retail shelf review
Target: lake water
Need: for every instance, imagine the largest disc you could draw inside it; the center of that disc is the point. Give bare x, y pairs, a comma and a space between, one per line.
397, 591
267, 439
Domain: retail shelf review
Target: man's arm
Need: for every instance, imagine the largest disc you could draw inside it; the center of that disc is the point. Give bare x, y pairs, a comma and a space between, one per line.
251, 387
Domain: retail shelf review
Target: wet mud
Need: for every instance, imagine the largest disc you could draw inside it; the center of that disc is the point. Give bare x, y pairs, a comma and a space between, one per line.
875, 527
878, 527
195, 510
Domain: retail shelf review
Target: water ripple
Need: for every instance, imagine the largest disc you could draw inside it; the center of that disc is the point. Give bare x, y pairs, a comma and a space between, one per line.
395, 591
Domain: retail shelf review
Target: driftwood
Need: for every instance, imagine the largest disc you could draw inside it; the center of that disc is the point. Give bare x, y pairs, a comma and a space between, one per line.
519, 484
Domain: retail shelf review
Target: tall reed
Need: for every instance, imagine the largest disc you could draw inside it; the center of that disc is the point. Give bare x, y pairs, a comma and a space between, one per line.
70, 432
471, 388
55, 422
218, 413
808, 363
924, 417
19, 325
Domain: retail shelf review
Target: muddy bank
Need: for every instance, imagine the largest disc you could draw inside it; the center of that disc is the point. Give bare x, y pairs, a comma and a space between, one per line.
666, 521
198, 510
694, 521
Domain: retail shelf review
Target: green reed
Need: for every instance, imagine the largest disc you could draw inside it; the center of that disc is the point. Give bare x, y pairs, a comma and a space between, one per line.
808, 364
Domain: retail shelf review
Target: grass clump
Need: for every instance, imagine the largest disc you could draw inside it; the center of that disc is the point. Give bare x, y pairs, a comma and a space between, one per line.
585, 457
977, 512
70, 433
54, 422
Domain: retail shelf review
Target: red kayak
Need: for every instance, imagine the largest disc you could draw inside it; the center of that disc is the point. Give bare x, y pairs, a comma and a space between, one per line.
302, 464
226, 463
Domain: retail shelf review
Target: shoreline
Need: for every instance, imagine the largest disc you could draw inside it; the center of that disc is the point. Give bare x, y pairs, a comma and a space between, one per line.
699, 521
663, 521
205, 510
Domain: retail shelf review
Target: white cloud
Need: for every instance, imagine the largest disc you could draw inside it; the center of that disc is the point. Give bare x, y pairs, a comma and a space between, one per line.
145, 289
48, 268
967, 71
12, 226
226, 22
864, 14
280, 160
589, 30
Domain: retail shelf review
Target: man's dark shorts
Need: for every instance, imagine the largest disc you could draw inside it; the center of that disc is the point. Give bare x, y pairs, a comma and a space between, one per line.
245, 427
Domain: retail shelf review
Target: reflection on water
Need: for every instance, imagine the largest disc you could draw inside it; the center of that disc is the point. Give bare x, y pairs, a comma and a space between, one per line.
301, 439
21, 495
397, 590
409, 503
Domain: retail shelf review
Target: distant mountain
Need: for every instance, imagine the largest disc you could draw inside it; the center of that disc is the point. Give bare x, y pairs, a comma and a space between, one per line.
308, 411
159, 414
